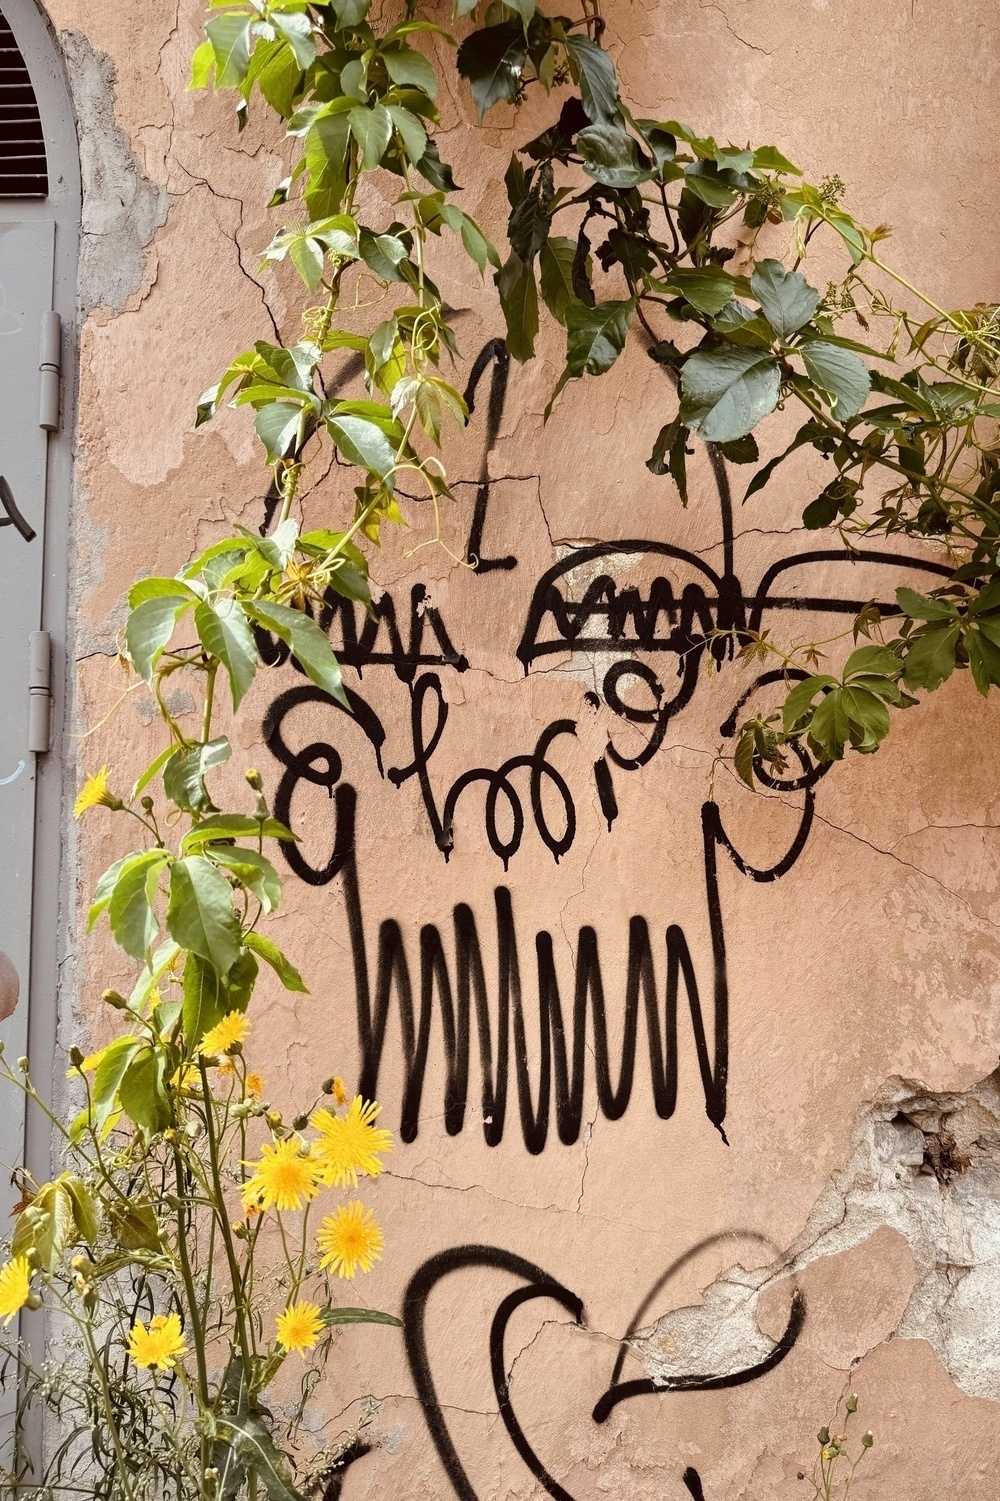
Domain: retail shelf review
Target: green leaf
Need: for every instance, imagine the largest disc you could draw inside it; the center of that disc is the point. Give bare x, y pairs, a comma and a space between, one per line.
350, 13
104, 890
838, 499
202, 65
493, 60
878, 660
382, 254
257, 1452
325, 153
708, 288
800, 699
130, 912
786, 298
253, 869
830, 727
434, 170
839, 373
743, 758
241, 980
230, 39
741, 450
806, 434
358, 1316
596, 75
410, 132
143, 1094
476, 244
984, 660
143, 780
279, 80
135, 1226
184, 774
610, 156
200, 914
555, 262
234, 826
309, 645
519, 301
86, 1211
150, 626
727, 392
412, 69
671, 446
224, 633
363, 443
269, 951
372, 129
205, 998
277, 426
296, 28
47, 1227
770, 159
930, 656
920, 607
110, 1072
595, 336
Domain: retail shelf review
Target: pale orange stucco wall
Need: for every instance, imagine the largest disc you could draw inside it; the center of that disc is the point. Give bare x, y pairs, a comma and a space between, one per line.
872, 960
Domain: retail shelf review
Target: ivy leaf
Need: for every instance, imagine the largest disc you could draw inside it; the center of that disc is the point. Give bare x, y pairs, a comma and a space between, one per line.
410, 132
743, 757
921, 607
150, 626
786, 298
671, 446
596, 74
555, 262
200, 915
930, 656
493, 60
269, 951
727, 391
296, 28
610, 156
308, 644
519, 301
411, 69
434, 170
363, 443
110, 1072
595, 336
372, 129
707, 288
230, 39
741, 450
839, 373
224, 633
277, 426
184, 774
382, 254
799, 701
234, 826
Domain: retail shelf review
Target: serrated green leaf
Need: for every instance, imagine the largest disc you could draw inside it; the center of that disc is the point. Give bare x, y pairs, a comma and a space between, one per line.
130, 912
596, 75
230, 39
786, 298
493, 60
224, 633
150, 626
309, 645
143, 1094
727, 391
184, 774
930, 656
595, 336
200, 913
410, 68
269, 951
839, 374
372, 129
253, 869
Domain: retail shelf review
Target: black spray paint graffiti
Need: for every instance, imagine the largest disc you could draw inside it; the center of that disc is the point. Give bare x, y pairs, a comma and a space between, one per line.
538, 1284
458, 994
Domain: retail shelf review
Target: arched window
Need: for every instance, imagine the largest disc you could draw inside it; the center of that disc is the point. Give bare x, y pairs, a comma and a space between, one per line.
23, 166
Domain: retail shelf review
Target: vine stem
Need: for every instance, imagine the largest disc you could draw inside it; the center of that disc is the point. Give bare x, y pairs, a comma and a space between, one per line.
239, 1304
197, 1329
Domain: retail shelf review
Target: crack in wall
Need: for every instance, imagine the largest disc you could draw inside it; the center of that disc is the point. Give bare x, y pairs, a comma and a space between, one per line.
923, 1163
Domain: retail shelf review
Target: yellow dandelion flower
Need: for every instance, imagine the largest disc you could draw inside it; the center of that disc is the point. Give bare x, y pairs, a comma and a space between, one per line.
339, 1090
95, 794
255, 1085
232, 1029
15, 1287
349, 1144
351, 1240
186, 1077
285, 1177
299, 1327
160, 1344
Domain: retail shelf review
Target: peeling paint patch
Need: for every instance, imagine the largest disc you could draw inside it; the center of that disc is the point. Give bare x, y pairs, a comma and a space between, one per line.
122, 209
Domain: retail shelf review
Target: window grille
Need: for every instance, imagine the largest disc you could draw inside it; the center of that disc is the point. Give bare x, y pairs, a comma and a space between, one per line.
23, 169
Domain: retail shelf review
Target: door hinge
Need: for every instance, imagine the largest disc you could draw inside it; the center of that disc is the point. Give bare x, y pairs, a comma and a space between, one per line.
39, 692
50, 366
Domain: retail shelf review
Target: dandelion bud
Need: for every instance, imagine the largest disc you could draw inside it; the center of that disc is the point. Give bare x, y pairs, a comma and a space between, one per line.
823, 1436
113, 998
80, 1263
255, 780
22, 1064
242, 1110
867, 1439
146, 803
240, 1229
75, 1057
1, 1049
300, 1123
328, 1086
33, 1301
274, 1119
235, 1049
851, 1405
